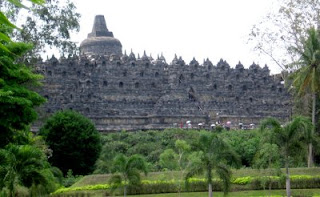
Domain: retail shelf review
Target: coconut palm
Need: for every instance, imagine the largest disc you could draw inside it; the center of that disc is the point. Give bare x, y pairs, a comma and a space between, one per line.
23, 165
126, 170
306, 79
290, 139
215, 154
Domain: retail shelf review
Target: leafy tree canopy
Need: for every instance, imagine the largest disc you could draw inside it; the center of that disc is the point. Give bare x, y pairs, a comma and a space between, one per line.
17, 101
127, 170
45, 25
74, 141
279, 30
26, 165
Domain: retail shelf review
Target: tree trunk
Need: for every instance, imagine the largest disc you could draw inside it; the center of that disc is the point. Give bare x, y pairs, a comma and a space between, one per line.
210, 190
209, 179
125, 190
288, 185
310, 153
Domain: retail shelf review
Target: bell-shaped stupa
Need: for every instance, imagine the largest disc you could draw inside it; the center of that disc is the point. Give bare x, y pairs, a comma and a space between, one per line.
100, 41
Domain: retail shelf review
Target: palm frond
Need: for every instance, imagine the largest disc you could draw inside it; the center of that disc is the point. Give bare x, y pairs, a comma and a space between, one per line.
119, 163
134, 177
224, 174
138, 162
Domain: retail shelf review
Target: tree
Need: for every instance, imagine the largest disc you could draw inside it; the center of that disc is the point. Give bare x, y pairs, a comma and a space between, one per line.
215, 155
126, 171
45, 26
290, 139
17, 100
283, 35
168, 159
245, 144
25, 165
283, 27
307, 78
268, 158
179, 160
74, 141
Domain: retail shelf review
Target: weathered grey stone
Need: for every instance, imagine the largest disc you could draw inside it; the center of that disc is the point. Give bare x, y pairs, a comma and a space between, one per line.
100, 41
121, 92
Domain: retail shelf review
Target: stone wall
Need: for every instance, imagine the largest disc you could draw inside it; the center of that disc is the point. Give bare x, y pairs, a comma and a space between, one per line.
125, 92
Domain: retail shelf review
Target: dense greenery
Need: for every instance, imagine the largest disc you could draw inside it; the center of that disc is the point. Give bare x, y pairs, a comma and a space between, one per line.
151, 144
306, 79
17, 101
44, 26
291, 139
200, 184
126, 171
203, 158
26, 165
214, 154
74, 140
24, 168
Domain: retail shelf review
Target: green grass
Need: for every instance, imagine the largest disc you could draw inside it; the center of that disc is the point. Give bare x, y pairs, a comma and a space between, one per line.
300, 193
103, 178
295, 192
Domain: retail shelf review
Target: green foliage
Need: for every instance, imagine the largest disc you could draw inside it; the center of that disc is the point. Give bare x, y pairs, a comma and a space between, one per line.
306, 78
152, 144
268, 156
126, 171
6, 25
216, 155
70, 179
196, 185
168, 160
17, 101
26, 165
48, 23
74, 141
290, 138
149, 144
245, 143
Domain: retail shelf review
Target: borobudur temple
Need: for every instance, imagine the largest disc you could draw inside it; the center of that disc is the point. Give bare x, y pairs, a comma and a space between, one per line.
123, 91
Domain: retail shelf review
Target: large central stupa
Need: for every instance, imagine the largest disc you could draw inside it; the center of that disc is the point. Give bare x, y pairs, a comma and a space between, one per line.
101, 41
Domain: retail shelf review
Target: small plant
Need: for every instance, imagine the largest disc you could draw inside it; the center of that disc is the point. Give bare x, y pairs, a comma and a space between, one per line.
70, 179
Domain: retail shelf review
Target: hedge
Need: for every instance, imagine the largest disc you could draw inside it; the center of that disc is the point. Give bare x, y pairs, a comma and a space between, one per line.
199, 185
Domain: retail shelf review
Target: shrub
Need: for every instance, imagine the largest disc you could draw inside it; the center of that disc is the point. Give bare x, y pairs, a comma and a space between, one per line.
74, 141
200, 185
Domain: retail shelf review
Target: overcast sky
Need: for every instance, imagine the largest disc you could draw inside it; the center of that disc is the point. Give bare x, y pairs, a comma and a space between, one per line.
189, 28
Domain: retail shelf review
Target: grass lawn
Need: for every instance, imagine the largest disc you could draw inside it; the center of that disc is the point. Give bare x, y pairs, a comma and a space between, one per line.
103, 178
295, 192
299, 192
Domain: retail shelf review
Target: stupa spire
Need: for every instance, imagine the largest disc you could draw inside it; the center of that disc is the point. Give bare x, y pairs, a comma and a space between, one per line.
99, 28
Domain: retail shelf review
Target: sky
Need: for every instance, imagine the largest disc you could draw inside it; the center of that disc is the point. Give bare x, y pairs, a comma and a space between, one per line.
197, 29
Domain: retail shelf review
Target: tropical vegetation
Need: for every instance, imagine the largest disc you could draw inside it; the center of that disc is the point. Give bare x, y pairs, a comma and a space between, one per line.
74, 141
69, 145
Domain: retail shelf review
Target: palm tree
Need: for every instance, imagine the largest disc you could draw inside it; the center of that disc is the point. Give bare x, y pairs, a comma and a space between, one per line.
23, 165
307, 78
215, 154
127, 170
290, 139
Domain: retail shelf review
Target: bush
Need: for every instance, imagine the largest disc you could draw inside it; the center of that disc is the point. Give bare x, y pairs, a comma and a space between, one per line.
70, 179
74, 141
200, 185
